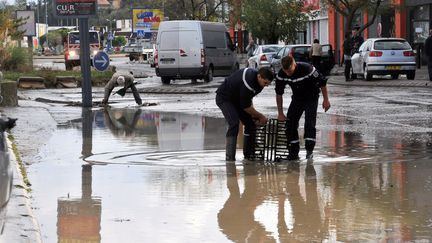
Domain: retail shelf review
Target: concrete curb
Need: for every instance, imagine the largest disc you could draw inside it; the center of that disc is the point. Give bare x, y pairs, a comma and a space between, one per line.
21, 225
383, 83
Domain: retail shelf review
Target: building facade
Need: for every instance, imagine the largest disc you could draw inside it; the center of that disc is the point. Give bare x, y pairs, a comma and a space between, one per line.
410, 20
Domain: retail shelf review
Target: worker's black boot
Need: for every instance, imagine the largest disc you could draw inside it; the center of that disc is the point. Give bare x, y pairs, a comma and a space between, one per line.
231, 144
249, 147
309, 145
293, 151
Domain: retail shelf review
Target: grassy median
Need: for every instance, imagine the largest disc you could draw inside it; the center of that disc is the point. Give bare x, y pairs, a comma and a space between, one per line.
98, 78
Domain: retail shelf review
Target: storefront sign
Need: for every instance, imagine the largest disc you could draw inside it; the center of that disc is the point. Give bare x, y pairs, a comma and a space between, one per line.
75, 8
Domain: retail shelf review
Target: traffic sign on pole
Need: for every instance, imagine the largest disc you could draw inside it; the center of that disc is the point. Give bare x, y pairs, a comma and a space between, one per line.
140, 33
101, 61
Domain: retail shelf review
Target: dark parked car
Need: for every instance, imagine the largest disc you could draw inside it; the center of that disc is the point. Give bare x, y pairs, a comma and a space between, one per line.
5, 170
300, 53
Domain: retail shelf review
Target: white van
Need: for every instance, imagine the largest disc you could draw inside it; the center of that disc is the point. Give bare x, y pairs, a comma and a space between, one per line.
188, 49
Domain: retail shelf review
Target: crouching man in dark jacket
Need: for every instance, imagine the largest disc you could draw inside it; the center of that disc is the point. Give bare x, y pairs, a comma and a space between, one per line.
234, 98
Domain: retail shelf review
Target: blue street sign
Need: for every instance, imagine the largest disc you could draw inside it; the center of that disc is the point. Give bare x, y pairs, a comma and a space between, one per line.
101, 61
140, 33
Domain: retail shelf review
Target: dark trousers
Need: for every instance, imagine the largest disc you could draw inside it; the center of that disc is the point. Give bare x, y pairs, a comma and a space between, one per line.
316, 61
347, 71
430, 68
233, 115
295, 111
136, 94
109, 89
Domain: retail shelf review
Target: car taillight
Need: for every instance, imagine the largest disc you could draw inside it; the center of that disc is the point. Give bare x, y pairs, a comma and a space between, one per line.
409, 53
156, 58
263, 58
202, 57
375, 53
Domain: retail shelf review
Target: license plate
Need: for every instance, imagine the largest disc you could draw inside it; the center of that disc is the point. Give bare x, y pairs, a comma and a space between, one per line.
167, 60
393, 67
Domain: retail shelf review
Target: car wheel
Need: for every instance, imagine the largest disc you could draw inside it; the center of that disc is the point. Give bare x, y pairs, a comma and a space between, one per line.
395, 76
165, 80
131, 58
367, 75
209, 75
411, 75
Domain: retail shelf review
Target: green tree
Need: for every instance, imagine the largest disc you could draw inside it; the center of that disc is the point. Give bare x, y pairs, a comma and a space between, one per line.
352, 8
8, 33
275, 20
119, 41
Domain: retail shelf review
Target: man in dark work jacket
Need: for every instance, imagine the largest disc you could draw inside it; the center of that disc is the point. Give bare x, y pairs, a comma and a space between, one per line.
234, 98
306, 83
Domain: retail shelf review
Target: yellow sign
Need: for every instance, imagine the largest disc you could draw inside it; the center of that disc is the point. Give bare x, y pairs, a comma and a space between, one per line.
146, 20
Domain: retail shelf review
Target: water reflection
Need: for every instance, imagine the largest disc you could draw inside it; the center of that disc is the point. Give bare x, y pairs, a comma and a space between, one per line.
272, 207
236, 218
150, 135
339, 202
189, 194
79, 218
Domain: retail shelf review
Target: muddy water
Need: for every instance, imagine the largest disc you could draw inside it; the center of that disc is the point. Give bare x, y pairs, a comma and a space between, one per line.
134, 176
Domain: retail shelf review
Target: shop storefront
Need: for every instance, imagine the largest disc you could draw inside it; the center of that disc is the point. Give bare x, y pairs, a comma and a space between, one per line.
419, 22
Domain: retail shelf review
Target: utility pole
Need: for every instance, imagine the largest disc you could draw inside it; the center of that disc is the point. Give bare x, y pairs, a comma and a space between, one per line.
46, 21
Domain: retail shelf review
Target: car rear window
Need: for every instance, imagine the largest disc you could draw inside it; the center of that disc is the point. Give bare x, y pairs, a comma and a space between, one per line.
392, 45
271, 49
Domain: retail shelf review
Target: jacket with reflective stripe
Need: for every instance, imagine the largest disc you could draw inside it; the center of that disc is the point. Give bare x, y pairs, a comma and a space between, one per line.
233, 89
305, 82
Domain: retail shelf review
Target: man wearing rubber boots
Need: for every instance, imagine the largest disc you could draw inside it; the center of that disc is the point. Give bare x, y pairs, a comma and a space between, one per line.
305, 82
234, 98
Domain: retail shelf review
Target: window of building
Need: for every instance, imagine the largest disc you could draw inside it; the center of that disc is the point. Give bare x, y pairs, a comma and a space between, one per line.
420, 23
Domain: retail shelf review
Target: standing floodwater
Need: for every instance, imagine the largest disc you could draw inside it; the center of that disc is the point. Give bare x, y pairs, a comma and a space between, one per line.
127, 175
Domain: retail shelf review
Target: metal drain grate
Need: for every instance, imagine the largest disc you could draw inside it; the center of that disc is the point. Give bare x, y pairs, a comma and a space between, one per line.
271, 142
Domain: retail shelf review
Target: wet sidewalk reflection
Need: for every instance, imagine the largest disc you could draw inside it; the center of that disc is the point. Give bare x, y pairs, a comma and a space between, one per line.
162, 178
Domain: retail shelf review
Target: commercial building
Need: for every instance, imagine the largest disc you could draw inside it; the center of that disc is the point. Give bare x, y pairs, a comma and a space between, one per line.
410, 20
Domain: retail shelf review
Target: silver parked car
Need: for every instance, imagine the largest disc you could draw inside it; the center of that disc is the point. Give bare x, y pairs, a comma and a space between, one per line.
300, 52
384, 56
262, 56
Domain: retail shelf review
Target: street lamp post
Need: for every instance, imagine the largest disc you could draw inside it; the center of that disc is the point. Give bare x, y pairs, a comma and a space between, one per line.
46, 22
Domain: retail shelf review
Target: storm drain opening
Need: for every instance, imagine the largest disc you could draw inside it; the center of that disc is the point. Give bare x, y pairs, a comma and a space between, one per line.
271, 142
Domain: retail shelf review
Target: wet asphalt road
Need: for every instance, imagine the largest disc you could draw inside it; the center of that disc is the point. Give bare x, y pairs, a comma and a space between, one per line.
157, 173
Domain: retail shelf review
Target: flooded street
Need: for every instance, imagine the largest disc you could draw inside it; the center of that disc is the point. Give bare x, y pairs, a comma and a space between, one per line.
128, 175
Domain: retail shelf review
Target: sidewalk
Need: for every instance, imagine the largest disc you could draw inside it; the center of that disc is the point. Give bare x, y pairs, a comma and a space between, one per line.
421, 80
